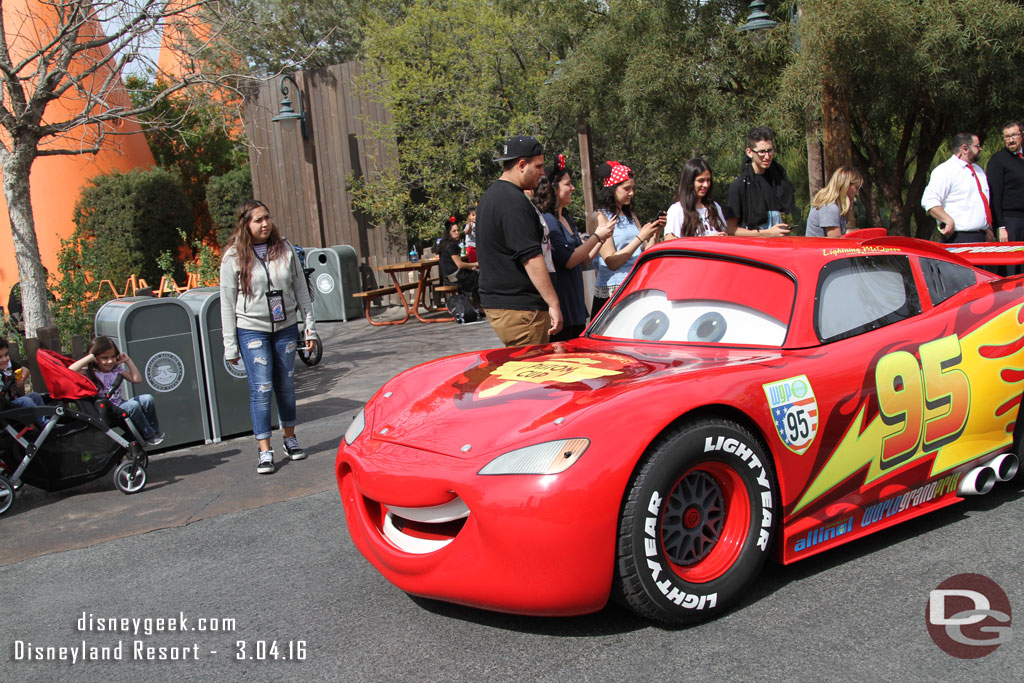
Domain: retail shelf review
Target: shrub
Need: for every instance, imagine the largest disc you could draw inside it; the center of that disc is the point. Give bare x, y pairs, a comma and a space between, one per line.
224, 194
124, 220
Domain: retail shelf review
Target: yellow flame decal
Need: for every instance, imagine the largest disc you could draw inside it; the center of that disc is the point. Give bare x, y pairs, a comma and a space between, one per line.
988, 384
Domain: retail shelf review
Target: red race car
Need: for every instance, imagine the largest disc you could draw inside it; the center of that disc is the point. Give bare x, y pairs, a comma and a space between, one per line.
738, 398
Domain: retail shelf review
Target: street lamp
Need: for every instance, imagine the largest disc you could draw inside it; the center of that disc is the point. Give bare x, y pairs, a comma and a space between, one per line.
286, 111
758, 19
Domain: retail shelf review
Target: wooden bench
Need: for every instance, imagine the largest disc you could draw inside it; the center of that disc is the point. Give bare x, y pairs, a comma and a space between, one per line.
440, 290
371, 294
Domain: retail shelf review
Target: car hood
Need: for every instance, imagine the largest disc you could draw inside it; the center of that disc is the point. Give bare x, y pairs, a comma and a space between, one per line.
477, 403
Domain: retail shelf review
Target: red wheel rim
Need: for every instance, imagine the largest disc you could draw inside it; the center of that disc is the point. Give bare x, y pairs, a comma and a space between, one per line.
705, 522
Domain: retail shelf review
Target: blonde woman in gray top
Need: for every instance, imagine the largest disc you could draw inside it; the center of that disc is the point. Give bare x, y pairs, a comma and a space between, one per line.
832, 206
262, 291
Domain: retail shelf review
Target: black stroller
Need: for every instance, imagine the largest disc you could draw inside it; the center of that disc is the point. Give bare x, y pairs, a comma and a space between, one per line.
85, 436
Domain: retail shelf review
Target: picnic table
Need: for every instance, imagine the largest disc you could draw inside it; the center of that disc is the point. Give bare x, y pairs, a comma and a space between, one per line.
394, 270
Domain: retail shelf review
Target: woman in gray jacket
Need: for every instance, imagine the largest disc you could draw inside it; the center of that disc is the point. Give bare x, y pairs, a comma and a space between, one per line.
262, 289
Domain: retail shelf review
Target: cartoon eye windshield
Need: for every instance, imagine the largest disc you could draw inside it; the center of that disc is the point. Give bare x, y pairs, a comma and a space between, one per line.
648, 315
701, 300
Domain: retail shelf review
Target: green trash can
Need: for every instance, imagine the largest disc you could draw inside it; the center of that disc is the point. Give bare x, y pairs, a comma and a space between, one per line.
227, 389
335, 280
161, 337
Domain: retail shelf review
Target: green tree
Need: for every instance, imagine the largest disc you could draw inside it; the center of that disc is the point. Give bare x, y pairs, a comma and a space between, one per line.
913, 73
204, 141
457, 78
660, 82
281, 35
224, 194
123, 221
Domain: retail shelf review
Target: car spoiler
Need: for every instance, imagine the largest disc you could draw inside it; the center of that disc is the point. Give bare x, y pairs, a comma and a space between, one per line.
990, 253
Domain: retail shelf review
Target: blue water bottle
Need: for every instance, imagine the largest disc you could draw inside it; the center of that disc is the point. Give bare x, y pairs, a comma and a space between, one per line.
414, 255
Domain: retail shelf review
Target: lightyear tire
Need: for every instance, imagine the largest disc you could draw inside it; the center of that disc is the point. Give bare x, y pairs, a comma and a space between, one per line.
697, 522
129, 478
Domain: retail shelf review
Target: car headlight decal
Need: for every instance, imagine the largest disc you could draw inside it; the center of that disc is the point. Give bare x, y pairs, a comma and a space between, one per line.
551, 457
357, 426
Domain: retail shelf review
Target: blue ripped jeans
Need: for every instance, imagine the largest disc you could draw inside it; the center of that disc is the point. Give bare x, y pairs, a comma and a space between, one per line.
269, 359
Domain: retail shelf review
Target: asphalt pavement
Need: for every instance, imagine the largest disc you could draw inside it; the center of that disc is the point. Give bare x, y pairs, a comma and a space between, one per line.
216, 573
204, 480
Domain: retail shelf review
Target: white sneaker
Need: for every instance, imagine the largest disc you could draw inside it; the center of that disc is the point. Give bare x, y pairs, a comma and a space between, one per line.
266, 462
293, 449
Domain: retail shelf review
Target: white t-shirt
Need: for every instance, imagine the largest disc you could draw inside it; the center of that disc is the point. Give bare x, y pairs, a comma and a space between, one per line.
674, 221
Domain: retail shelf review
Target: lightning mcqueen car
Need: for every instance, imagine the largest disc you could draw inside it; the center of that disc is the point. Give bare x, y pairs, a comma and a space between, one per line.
738, 398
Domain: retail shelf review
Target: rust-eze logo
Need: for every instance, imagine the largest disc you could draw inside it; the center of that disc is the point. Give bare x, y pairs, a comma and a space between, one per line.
968, 616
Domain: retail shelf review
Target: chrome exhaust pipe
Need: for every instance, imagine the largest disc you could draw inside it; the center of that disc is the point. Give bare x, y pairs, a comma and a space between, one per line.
977, 482
1005, 466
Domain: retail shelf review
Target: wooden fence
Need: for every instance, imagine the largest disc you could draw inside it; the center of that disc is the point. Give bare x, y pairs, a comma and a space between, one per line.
305, 181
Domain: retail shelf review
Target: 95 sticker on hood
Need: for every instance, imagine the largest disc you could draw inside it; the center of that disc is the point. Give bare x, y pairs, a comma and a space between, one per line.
794, 411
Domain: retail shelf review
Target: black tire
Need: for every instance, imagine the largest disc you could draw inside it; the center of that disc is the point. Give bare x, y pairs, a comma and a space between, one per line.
6, 494
697, 524
313, 357
129, 478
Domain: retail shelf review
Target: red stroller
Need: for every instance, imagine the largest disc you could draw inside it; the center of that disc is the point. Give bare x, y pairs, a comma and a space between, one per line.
85, 436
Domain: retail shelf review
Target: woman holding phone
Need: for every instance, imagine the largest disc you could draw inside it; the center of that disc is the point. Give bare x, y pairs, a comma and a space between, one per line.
614, 208
262, 291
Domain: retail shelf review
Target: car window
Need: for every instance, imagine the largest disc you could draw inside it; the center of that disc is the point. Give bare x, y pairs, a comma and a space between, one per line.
701, 300
944, 279
860, 294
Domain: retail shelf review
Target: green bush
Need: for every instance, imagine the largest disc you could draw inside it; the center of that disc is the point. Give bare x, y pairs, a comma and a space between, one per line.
124, 220
224, 194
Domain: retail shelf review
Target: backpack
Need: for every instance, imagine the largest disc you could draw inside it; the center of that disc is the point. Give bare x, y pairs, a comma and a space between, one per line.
462, 309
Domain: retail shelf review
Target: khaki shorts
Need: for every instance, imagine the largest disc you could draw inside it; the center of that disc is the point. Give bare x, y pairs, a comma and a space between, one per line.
519, 328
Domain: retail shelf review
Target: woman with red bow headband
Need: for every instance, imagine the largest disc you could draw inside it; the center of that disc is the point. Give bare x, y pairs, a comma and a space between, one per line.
614, 208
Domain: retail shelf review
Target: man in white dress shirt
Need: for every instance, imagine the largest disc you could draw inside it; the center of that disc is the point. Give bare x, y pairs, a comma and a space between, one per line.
957, 194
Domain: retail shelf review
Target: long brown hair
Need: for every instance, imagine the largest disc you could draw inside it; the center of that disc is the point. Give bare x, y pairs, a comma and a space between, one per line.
686, 195
241, 240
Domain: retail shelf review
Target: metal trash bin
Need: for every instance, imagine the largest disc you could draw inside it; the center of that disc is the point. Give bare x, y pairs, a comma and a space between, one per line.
335, 279
227, 389
161, 337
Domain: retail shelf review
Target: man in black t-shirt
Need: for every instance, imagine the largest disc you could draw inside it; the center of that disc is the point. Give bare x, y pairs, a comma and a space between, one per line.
762, 192
515, 285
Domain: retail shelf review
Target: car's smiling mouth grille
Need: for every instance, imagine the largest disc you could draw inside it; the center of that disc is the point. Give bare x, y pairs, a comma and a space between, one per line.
422, 530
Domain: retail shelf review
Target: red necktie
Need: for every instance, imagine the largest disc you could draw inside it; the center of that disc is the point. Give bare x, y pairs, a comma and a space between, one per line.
984, 199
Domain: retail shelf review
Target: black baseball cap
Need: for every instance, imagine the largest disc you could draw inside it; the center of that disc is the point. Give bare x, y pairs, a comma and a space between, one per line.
519, 146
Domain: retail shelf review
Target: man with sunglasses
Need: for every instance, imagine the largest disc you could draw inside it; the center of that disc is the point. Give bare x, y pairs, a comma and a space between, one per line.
762, 192
1006, 185
957, 194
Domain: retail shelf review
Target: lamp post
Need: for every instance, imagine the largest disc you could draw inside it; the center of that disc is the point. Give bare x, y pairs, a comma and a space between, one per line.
758, 19
286, 113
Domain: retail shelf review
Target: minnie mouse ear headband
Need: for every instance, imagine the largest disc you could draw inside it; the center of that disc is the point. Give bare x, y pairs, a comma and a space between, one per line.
519, 146
559, 166
613, 173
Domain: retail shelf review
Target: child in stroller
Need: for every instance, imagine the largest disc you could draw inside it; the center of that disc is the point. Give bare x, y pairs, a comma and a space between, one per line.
85, 436
104, 365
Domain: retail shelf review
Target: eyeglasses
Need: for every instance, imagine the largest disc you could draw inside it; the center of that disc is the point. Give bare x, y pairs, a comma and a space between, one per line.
1011, 136
763, 152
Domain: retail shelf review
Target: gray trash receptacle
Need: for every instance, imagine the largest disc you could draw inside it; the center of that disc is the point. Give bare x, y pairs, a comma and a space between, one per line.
161, 337
335, 279
227, 388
